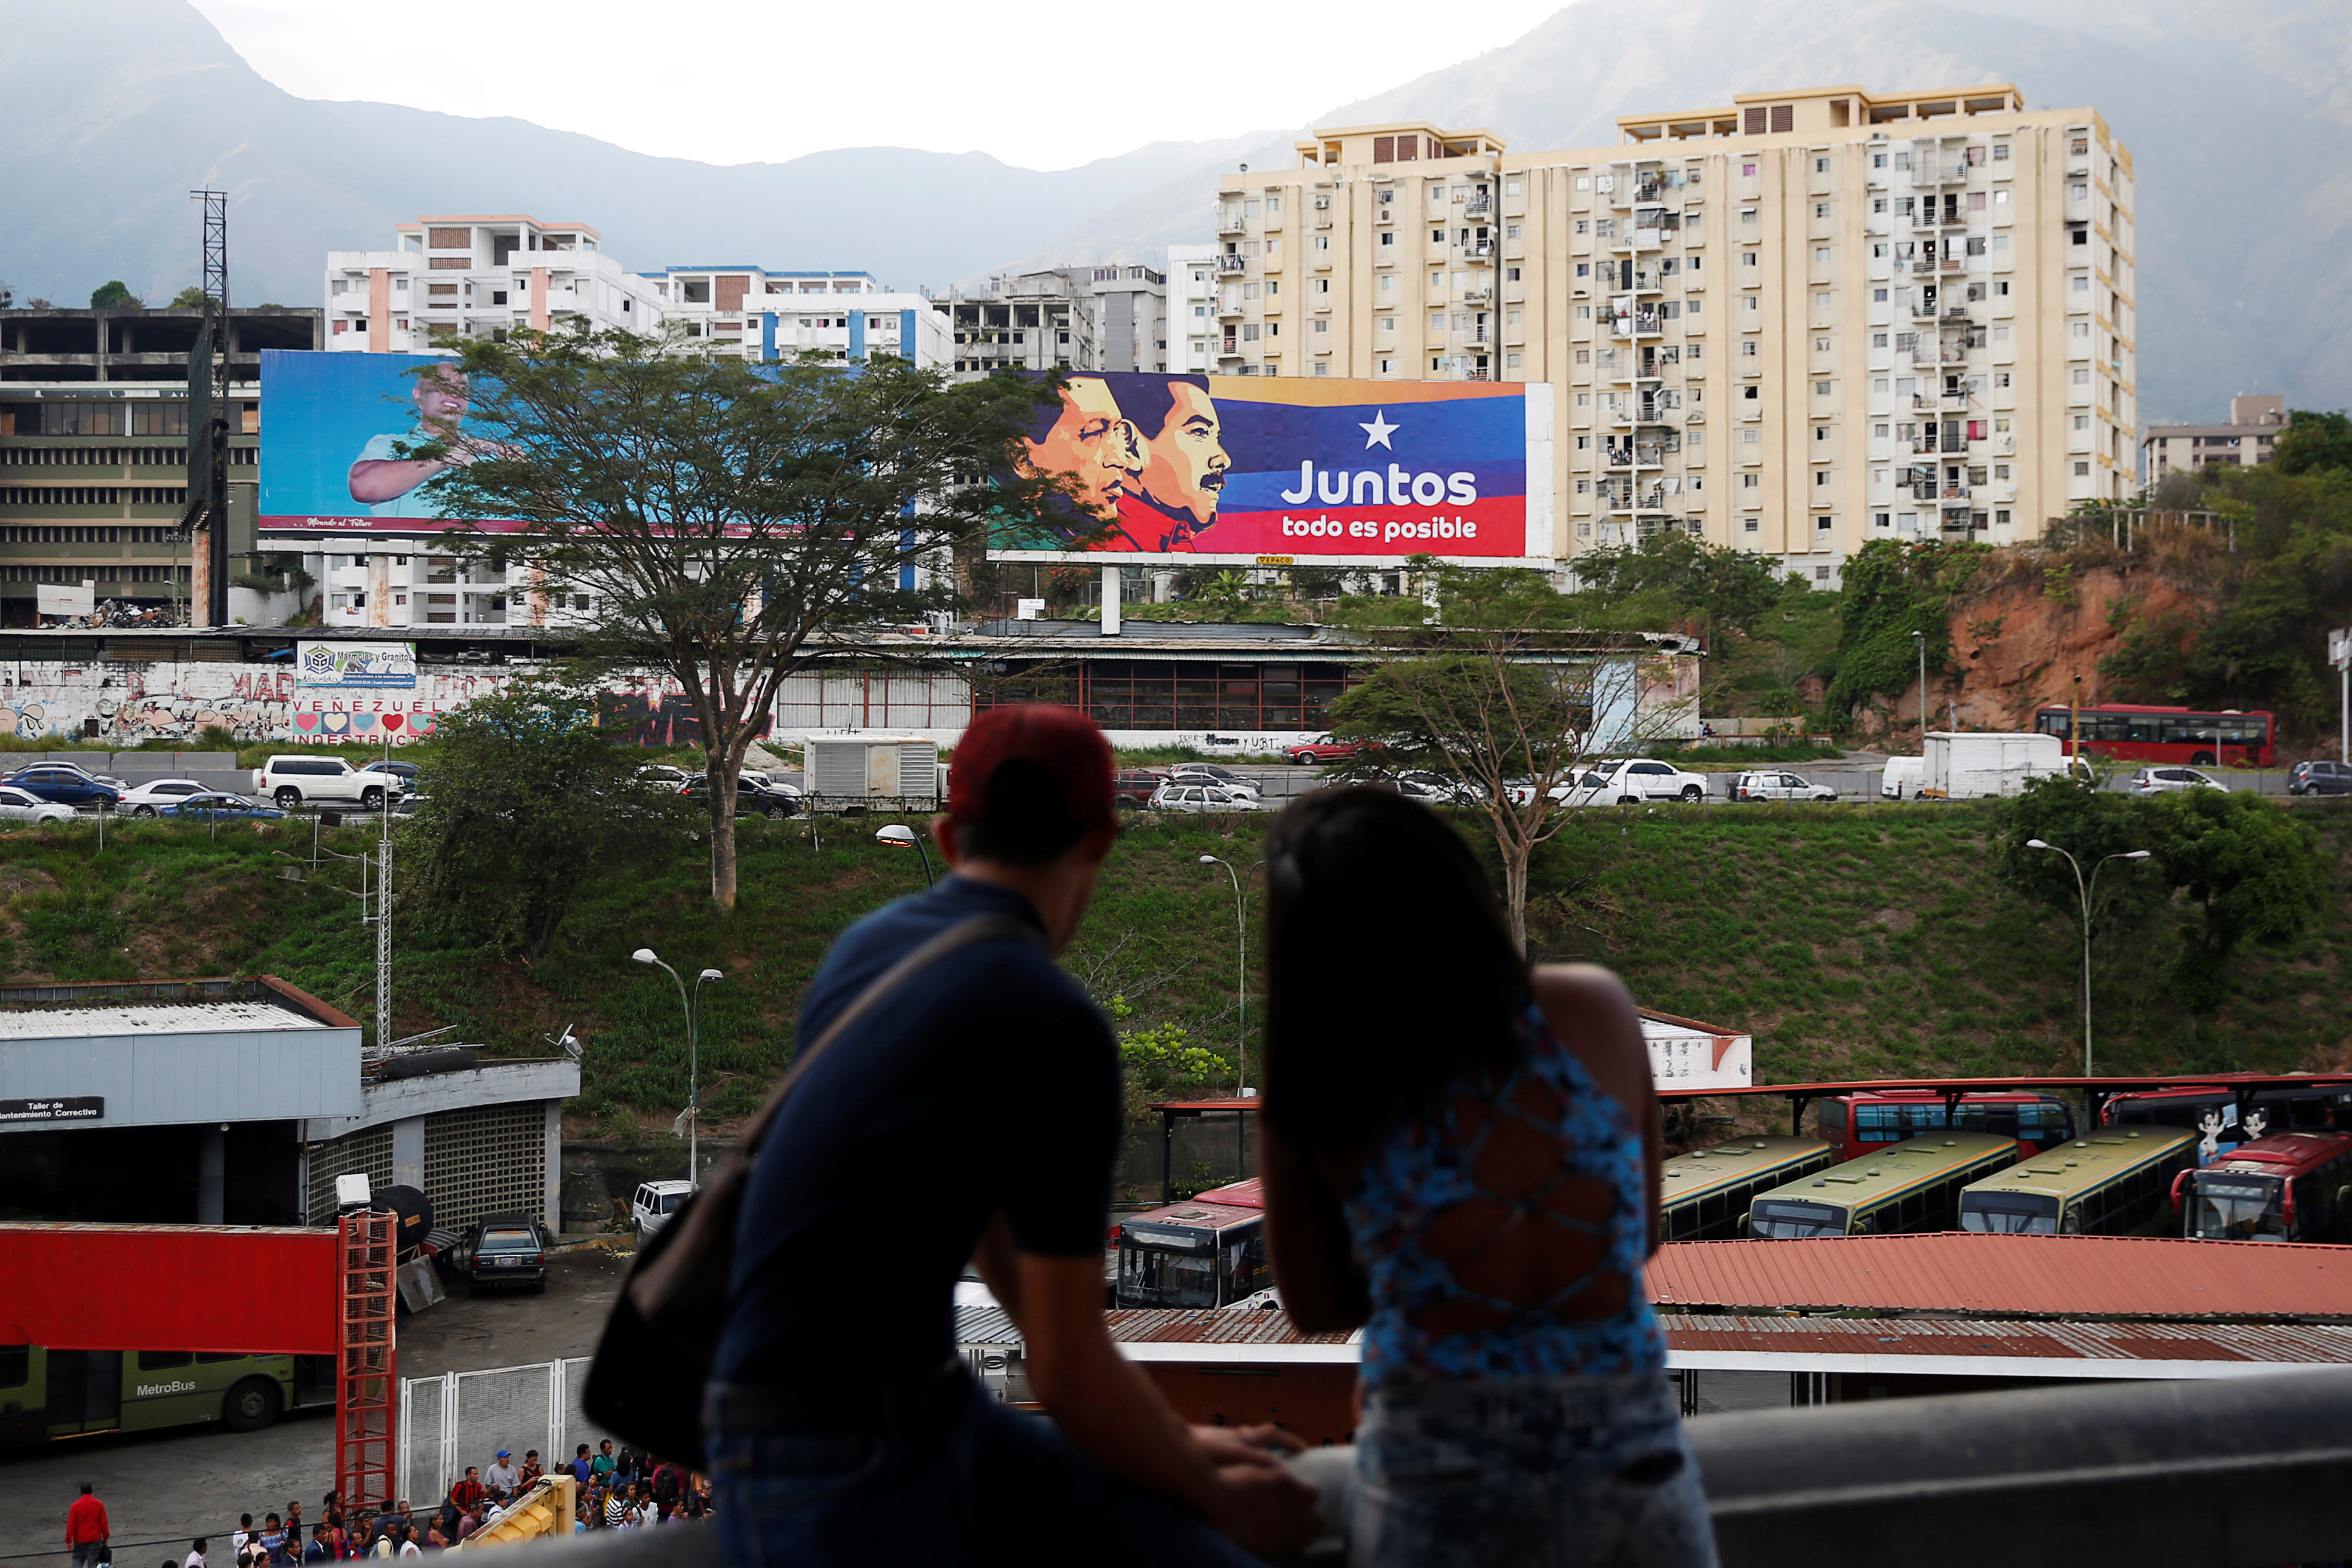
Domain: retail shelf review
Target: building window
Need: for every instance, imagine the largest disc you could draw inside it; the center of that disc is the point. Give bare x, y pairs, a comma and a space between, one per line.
2081, 470
1749, 525
1820, 389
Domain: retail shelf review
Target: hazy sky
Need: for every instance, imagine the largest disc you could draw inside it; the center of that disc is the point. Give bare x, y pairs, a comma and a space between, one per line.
1042, 86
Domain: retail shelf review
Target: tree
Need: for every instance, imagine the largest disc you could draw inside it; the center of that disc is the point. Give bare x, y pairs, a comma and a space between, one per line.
1508, 696
2253, 872
115, 294
1713, 586
190, 298
2090, 824
525, 799
2314, 443
727, 519
7, 295
1893, 589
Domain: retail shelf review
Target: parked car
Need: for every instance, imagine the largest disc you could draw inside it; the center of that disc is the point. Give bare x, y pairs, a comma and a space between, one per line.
661, 774
215, 806
292, 781
1778, 787
1905, 777
18, 806
1434, 790
503, 1251
2319, 778
1176, 795
774, 802
1209, 774
1134, 787
2167, 780
404, 771
142, 800
1323, 749
654, 1202
66, 784
1645, 779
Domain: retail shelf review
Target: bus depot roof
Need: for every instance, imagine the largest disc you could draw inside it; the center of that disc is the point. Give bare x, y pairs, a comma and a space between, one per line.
2077, 1166
2052, 1083
1892, 1167
1981, 1273
1728, 1165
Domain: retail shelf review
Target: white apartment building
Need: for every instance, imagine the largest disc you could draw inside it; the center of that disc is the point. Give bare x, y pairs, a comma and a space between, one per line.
1108, 317
472, 275
778, 315
1790, 324
1192, 322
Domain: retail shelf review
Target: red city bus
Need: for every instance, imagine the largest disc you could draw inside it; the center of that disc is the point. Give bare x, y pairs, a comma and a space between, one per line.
2201, 738
2324, 1105
2289, 1186
1857, 1124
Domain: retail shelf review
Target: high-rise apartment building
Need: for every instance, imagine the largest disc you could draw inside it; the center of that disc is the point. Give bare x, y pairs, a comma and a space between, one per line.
780, 315
1793, 324
1194, 324
1109, 317
2256, 424
473, 275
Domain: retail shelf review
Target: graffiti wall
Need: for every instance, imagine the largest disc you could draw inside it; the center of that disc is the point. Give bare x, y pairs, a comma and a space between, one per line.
127, 704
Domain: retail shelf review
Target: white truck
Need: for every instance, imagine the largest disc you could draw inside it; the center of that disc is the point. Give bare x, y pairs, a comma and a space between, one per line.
1973, 766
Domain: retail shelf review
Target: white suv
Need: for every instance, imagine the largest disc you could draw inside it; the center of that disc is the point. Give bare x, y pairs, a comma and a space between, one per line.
1646, 779
652, 1204
291, 781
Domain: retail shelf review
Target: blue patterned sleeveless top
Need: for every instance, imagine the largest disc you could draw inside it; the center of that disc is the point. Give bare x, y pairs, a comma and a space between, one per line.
1442, 1188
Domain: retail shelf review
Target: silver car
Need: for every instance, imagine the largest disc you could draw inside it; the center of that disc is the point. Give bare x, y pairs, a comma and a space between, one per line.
2165, 781
1776, 786
1175, 796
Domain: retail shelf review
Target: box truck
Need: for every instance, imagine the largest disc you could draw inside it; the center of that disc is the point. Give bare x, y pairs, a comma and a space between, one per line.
1969, 765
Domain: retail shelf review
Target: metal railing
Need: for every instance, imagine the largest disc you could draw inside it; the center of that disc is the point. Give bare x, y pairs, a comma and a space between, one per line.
2230, 1473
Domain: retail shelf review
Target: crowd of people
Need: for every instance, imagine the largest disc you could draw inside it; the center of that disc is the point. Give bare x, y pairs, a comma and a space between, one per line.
614, 1491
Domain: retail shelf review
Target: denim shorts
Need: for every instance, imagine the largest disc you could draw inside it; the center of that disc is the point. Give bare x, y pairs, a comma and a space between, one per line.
1536, 1472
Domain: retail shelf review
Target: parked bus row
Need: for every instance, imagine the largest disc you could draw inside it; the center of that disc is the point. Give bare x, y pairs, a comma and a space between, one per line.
1854, 1124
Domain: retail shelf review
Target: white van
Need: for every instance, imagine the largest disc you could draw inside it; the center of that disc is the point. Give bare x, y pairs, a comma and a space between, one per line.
290, 781
1904, 777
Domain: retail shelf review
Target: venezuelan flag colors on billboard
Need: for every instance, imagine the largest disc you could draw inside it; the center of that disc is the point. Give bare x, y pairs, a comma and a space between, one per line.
1233, 470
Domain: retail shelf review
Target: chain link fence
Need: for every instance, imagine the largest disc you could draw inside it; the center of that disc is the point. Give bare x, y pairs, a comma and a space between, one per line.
462, 1418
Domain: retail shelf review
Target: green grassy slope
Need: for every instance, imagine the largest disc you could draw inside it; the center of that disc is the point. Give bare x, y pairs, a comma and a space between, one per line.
1867, 941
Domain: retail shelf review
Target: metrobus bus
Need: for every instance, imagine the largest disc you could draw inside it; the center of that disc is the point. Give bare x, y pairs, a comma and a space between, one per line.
2288, 1186
1191, 1254
1902, 1188
46, 1393
1854, 1124
2110, 1184
2213, 1110
1704, 1196
2200, 737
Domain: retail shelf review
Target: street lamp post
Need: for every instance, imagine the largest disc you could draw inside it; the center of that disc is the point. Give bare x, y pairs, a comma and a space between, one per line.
690, 1007
2083, 890
1919, 638
898, 836
1241, 974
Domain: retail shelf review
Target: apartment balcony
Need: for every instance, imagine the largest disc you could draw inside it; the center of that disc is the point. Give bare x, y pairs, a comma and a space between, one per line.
1640, 455
1638, 502
1479, 250
1232, 264
1921, 264
1646, 280
1229, 224
1641, 239
1229, 349
1633, 191
1637, 325
1477, 294
1229, 309
1955, 493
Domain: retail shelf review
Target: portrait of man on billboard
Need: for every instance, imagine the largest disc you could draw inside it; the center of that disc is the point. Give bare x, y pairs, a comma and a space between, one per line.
1185, 460
1090, 445
389, 484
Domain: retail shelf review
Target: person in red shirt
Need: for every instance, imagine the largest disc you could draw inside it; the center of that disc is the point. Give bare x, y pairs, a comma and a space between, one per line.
86, 1529
467, 1492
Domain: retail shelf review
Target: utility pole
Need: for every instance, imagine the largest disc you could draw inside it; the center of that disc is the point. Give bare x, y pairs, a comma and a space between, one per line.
207, 519
2340, 653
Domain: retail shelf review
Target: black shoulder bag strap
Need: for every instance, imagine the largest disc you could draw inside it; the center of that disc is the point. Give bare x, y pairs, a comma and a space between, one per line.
645, 1383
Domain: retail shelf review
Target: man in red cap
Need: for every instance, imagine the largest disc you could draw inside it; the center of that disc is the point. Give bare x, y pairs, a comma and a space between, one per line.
967, 1108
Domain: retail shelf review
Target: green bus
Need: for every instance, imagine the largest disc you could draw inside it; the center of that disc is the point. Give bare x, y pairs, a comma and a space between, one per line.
1911, 1186
1703, 1196
46, 1393
2110, 1184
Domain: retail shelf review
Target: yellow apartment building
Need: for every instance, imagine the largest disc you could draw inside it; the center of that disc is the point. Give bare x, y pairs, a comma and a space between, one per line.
1793, 324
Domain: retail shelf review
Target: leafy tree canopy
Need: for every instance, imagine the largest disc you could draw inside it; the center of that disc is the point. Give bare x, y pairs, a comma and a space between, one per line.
2253, 872
2091, 824
525, 801
1720, 588
2314, 443
190, 298
1893, 589
114, 295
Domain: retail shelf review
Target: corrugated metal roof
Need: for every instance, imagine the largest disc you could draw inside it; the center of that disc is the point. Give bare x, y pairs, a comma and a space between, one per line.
1234, 1325
2051, 1276
2299, 1344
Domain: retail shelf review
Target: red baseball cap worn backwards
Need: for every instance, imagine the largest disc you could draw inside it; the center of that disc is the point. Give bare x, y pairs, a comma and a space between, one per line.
1068, 745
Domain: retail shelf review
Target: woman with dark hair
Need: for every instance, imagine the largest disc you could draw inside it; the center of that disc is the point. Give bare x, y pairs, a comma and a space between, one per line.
1460, 1155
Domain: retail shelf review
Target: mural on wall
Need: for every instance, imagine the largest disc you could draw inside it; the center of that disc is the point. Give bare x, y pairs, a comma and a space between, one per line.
258, 704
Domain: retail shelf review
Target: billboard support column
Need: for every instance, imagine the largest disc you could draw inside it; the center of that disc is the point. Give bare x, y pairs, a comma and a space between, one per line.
1110, 601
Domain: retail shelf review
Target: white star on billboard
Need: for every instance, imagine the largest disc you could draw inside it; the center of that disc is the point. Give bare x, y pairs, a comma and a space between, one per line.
1378, 432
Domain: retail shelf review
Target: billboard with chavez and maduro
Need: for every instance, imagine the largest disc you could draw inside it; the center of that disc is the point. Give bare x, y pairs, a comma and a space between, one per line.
1235, 470
336, 427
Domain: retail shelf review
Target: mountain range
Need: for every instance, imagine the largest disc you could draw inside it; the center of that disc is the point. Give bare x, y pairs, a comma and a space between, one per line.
2240, 122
